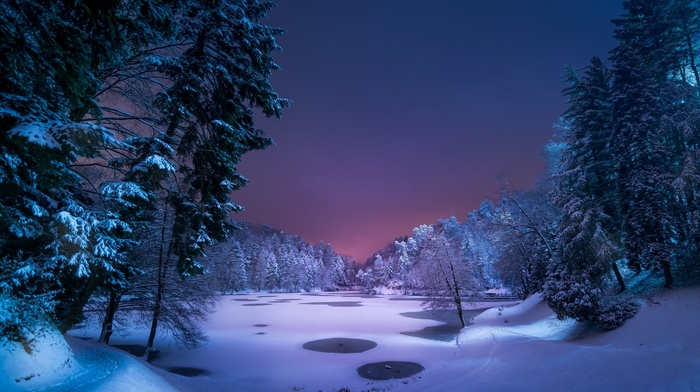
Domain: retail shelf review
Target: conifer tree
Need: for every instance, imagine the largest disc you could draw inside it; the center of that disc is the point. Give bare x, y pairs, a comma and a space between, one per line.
654, 65
581, 277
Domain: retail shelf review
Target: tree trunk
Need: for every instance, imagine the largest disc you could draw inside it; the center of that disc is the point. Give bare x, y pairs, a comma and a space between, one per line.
106, 333
458, 296
618, 276
526, 291
633, 263
151, 352
68, 316
668, 278
688, 35
460, 312
451, 283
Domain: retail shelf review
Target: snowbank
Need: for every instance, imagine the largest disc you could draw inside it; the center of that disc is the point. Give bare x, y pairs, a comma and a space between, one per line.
44, 359
530, 318
67, 364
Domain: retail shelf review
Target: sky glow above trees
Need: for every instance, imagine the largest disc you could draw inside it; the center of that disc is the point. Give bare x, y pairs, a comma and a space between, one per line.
405, 112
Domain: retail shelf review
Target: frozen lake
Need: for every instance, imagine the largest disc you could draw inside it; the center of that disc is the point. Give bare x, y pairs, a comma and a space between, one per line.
256, 342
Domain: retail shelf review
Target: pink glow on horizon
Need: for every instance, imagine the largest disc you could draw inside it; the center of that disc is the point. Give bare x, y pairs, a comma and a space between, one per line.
406, 112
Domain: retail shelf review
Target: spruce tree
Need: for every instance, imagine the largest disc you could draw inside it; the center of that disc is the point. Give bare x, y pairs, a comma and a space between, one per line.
63, 237
586, 194
652, 64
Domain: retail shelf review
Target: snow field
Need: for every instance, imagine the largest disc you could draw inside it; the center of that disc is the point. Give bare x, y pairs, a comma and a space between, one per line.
657, 350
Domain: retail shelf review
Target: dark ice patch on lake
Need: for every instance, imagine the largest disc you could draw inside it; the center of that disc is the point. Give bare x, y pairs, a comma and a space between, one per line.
358, 295
340, 345
389, 370
445, 332
265, 304
244, 299
421, 299
337, 304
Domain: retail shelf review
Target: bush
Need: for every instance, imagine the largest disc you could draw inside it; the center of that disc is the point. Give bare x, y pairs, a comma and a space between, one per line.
614, 313
571, 296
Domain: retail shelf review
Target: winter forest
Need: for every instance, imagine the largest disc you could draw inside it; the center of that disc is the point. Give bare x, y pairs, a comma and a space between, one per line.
118, 177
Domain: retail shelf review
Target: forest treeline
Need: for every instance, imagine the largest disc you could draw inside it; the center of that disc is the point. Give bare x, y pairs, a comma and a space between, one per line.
618, 208
122, 125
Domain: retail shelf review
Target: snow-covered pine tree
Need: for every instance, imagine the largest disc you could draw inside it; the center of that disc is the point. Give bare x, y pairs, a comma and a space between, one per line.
64, 239
586, 192
220, 76
478, 248
682, 125
405, 262
653, 66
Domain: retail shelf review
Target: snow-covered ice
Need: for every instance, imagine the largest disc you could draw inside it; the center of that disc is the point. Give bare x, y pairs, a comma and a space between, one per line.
242, 355
517, 348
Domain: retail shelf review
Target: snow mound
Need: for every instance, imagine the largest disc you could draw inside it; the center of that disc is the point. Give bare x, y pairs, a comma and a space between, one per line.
56, 364
43, 359
530, 318
532, 309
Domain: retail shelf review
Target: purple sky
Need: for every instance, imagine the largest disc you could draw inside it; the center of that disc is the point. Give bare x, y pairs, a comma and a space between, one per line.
405, 112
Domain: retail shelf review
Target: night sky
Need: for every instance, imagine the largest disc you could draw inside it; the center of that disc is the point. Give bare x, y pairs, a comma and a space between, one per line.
405, 112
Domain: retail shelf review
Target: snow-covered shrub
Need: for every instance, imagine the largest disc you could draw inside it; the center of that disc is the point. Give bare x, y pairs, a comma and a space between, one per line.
571, 296
614, 313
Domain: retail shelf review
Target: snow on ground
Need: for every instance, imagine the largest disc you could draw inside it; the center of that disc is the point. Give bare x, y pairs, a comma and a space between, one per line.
255, 344
48, 359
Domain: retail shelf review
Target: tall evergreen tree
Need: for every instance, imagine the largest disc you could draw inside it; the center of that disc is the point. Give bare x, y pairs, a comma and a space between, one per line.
63, 238
655, 51
587, 195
